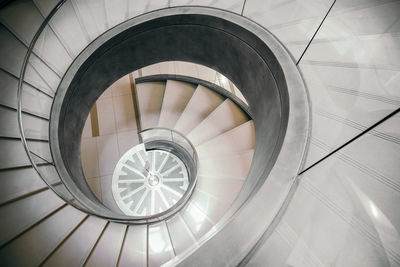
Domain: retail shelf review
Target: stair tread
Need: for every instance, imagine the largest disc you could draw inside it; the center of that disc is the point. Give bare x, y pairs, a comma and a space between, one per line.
201, 104
150, 97
214, 207
234, 141
106, 252
133, 251
196, 220
234, 166
25, 251
16, 183
79, 244
158, 234
177, 95
181, 235
224, 118
20, 215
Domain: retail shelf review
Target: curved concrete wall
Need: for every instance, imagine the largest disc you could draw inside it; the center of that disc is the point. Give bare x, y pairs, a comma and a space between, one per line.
180, 35
345, 211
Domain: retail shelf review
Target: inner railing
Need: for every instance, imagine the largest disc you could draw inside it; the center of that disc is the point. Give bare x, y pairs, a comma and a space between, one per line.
160, 172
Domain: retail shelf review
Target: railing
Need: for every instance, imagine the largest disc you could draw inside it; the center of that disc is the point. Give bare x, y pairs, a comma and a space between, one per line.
180, 146
50, 57
166, 134
43, 164
35, 136
38, 150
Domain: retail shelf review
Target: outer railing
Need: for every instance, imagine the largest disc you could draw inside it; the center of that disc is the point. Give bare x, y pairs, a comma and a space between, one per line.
39, 151
55, 184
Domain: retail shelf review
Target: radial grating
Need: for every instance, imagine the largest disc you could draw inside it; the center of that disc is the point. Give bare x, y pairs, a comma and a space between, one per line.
146, 183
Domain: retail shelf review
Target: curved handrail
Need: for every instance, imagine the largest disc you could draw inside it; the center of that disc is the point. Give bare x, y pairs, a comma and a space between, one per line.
216, 88
195, 156
21, 126
19, 96
193, 177
287, 143
28, 54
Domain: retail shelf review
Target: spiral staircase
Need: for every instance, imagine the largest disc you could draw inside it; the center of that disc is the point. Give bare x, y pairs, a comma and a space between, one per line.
218, 128
306, 175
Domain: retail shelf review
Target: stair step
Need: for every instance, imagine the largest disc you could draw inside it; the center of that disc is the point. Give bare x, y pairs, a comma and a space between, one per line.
75, 250
18, 182
134, 250
34, 127
181, 236
196, 220
32, 99
224, 118
160, 247
230, 166
11, 52
69, 31
150, 96
20, 215
107, 249
15, 156
92, 16
12, 14
202, 103
177, 95
36, 244
210, 205
48, 46
224, 189
234, 141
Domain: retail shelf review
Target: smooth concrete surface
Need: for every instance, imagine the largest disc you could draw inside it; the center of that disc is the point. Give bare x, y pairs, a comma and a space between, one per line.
181, 235
224, 118
134, 250
345, 195
20, 182
217, 191
160, 246
176, 96
108, 247
261, 57
19, 214
231, 142
117, 131
190, 69
351, 71
193, 211
49, 234
150, 98
292, 22
79, 244
202, 103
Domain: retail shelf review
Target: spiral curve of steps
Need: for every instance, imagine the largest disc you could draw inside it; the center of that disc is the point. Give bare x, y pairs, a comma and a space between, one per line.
344, 211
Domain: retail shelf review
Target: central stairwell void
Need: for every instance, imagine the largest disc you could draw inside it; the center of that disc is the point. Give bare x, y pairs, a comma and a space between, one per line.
212, 182
181, 141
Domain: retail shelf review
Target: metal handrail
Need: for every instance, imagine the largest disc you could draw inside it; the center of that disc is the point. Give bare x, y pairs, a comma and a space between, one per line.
214, 87
28, 152
21, 126
183, 200
76, 202
19, 97
195, 156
